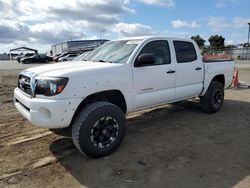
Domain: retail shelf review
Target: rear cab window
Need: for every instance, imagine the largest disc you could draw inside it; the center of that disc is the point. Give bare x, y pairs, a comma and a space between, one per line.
185, 51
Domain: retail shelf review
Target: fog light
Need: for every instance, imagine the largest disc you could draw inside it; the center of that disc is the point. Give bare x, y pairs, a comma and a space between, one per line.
44, 114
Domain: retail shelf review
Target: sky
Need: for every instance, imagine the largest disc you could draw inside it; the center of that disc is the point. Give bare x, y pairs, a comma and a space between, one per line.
41, 23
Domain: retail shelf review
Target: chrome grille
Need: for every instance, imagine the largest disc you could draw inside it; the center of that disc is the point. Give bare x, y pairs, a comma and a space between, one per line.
24, 84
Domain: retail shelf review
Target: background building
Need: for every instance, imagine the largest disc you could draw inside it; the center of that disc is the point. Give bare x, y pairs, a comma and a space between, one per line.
4, 56
76, 46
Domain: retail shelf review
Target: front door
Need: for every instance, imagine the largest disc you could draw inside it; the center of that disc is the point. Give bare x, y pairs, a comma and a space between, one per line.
154, 84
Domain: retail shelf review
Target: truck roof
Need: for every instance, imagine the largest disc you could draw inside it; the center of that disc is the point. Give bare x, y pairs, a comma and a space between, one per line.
152, 38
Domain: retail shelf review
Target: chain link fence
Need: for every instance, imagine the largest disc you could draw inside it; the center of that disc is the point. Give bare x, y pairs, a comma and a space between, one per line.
227, 53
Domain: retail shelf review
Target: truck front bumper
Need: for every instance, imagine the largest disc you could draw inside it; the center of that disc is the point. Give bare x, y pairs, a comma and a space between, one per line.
46, 113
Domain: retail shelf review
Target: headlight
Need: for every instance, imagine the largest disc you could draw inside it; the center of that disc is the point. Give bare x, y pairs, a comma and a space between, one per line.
50, 86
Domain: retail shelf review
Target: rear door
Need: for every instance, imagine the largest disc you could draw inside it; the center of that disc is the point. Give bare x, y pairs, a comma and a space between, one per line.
189, 70
154, 84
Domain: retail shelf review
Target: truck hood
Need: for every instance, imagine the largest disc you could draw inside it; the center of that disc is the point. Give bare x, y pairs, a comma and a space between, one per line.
65, 68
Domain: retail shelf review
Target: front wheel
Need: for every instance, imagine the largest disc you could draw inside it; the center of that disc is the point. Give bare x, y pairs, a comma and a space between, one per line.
213, 99
98, 129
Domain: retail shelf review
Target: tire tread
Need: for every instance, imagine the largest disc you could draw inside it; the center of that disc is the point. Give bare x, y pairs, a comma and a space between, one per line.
81, 117
205, 100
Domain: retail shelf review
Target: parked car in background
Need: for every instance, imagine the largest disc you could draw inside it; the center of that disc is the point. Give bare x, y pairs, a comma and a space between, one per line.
68, 57
37, 58
57, 56
82, 56
19, 57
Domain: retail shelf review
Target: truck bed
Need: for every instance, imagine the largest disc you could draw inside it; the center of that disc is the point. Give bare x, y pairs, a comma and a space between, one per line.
218, 67
216, 60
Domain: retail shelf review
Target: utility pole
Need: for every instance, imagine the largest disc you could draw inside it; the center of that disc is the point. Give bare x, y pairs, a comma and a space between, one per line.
248, 34
248, 53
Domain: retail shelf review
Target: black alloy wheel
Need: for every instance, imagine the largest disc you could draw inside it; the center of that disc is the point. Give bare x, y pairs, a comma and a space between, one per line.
104, 132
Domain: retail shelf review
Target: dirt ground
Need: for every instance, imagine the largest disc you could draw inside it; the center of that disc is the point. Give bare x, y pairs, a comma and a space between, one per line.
171, 146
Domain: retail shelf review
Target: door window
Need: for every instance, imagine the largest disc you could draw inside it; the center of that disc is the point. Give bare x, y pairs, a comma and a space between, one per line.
185, 51
161, 51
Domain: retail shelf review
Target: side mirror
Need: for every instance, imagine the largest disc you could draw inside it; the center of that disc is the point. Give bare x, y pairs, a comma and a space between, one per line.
146, 59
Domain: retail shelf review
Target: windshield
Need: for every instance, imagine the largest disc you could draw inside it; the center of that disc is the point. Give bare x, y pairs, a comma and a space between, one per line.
82, 56
113, 51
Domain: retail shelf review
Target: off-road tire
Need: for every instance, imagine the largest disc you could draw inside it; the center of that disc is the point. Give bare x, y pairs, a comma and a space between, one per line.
85, 121
208, 100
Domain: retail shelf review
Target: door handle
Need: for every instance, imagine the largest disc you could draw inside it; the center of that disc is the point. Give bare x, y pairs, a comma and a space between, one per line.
170, 71
198, 68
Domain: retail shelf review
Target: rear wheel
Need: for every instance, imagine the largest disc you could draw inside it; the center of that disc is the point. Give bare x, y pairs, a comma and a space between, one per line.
99, 129
213, 99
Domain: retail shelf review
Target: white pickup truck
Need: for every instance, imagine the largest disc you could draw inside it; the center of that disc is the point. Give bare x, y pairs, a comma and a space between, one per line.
92, 96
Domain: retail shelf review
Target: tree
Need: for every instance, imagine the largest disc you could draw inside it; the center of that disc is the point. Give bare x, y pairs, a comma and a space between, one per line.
217, 41
200, 41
